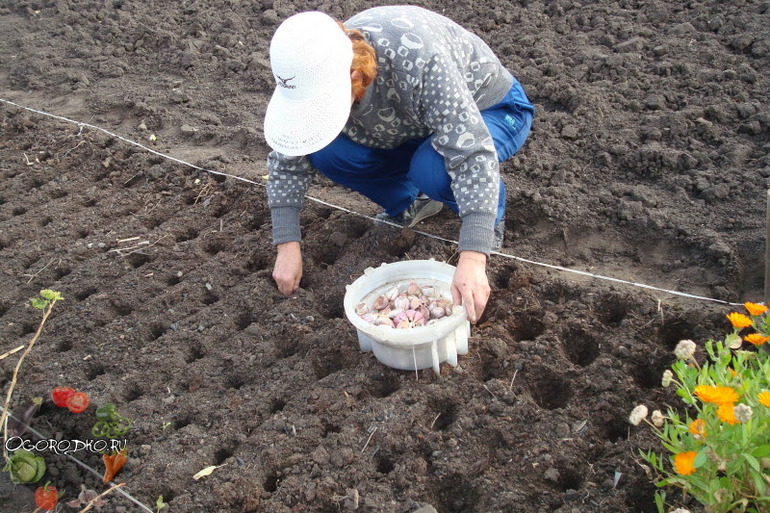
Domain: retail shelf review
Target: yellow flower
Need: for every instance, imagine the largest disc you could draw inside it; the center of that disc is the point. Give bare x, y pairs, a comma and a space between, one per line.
756, 339
684, 462
755, 309
764, 398
698, 427
716, 395
726, 413
738, 320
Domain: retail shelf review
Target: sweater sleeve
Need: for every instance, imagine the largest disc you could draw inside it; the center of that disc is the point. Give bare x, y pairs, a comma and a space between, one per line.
463, 139
288, 182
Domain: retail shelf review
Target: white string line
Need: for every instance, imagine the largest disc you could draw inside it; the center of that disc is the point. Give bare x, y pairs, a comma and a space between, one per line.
505, 255
121, 491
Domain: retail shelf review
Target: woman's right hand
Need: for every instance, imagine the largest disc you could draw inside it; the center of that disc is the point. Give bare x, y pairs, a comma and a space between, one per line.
288, 267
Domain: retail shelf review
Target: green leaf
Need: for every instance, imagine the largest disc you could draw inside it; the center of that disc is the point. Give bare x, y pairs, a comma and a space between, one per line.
701, 458
38, 303
660, 501
761, 452
752, 461
759, 484
51, 295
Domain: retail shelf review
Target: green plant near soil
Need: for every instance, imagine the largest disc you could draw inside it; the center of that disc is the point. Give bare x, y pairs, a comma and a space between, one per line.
23, 465
109, 423
718, 445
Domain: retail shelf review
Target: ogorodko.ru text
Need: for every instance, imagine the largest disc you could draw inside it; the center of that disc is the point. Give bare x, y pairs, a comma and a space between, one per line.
15, 443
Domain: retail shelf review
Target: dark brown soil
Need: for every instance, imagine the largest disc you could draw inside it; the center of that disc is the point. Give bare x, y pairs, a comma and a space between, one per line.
648, 162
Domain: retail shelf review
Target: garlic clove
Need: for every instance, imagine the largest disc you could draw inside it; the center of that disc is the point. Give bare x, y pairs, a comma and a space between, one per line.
414, 290
380, 303
437, 312
401, 302
383, 320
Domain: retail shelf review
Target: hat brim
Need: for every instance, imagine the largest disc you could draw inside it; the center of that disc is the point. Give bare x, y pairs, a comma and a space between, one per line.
297, 128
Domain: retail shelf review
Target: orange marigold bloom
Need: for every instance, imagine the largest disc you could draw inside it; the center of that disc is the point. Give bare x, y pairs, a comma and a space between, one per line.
698, 427
684, 462
755, 309
756, 339
764, 398
738, 320
716, 395
726, 414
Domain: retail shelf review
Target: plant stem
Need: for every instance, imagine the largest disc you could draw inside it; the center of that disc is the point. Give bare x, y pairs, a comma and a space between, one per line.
4, 416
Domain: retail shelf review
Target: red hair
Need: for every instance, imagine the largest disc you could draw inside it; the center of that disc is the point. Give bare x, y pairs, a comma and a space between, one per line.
364, 61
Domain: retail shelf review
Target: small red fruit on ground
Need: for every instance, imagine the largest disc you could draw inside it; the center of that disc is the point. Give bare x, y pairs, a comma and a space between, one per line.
59, 395
78, 402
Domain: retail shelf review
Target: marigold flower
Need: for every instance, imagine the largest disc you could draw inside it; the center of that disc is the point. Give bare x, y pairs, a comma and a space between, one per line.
716, 395
743, 412
638, 414
738, 320
764, 398
726, 413
685, 349
698, 427
684, 462
755, 309
668, 376
756, 339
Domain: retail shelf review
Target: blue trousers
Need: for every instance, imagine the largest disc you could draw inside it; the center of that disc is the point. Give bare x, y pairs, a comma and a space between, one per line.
394, 177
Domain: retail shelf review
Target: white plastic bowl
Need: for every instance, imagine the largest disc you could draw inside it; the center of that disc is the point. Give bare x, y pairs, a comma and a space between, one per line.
414, 348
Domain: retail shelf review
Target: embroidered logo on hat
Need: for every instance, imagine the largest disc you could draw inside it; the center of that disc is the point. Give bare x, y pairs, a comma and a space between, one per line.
283, 82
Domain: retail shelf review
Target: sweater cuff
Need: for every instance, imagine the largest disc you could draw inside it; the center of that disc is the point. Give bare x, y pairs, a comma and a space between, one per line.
477, 232
285, 225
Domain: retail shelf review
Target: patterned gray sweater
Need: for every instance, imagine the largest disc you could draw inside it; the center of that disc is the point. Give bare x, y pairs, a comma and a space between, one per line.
434, 77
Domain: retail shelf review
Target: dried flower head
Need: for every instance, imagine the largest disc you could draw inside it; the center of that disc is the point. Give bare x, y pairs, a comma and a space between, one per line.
742, 412
738, 320
716, 395
668, 377
755, 309
697, 427
685, 349
680, 510
638, 414
726, 413
764, 398
756, 339
684, 462
658, 419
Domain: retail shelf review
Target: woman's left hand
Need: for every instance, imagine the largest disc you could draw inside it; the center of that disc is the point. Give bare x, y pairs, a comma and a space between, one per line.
470, 286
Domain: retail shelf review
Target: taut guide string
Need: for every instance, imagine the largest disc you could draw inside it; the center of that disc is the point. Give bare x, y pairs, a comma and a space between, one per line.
504, 255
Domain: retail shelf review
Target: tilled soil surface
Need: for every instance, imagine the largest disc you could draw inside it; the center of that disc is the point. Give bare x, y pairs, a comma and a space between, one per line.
648, 162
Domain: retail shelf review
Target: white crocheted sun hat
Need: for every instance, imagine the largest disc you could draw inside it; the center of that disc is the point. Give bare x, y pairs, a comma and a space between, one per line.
310, 56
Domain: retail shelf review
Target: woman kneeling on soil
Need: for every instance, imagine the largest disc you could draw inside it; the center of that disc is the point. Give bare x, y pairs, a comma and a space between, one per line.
405, 107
